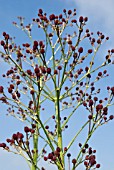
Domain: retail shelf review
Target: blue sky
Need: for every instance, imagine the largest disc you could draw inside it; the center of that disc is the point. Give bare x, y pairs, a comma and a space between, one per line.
100, 15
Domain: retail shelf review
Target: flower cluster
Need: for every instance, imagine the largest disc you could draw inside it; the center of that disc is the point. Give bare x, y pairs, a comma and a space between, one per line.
90, 158
19, 142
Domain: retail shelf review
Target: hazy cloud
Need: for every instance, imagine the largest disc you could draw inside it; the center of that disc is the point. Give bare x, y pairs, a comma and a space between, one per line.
100, 13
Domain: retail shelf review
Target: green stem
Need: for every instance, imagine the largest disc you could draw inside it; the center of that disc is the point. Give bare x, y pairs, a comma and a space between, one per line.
35, 155
72, 141
33, 167
35, 136
59, 130
66, 121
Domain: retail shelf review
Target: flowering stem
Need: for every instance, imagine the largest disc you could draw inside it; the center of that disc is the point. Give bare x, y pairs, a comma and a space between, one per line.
89, 136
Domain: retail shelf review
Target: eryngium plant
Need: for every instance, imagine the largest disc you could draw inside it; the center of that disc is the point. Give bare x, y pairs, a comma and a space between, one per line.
56, 72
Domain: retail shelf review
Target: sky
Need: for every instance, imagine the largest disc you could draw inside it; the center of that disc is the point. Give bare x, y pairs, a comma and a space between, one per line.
100, 14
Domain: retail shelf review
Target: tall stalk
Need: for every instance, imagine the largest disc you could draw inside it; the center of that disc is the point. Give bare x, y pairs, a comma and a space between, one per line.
35, 155
35, 136
59, 130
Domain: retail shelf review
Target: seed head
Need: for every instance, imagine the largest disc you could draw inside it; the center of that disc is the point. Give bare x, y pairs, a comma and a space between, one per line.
90, 117
98, 166
74, 161
69, 12
1, 89
2, 43
68, 155
26, 129
49, 70
111, 117
81, 19
80, 50
90, 51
